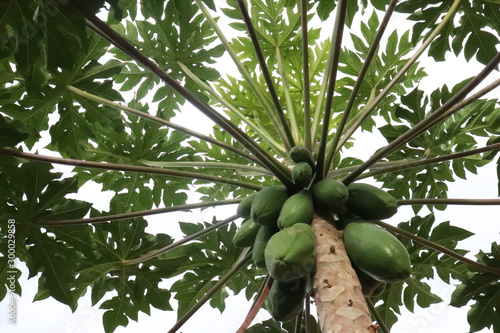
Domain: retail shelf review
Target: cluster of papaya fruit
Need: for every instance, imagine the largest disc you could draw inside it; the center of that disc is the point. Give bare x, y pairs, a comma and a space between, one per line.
277, 225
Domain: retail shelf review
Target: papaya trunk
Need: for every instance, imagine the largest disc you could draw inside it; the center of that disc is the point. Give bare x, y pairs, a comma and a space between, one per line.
337, 291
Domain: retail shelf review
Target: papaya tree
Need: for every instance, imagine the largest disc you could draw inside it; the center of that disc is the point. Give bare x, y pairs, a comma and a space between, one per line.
288, 87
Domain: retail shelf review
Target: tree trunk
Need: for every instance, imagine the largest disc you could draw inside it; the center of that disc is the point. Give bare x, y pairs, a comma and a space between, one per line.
337, 291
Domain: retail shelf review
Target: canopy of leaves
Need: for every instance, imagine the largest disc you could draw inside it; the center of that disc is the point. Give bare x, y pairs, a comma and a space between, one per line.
66, 91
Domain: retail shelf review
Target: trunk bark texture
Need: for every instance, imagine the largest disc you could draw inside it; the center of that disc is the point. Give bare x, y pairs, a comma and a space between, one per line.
337, 291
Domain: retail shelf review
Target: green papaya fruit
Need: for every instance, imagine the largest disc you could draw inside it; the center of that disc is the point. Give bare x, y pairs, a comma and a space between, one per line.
291, 253
298, 208
259, 245
369, 286
331, 194
302, 154
376, 252
245, 235
285, 299
370, 202
245, 206
302, 174
267, 204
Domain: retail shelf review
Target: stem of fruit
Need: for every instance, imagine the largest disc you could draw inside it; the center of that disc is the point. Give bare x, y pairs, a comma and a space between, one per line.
430, 120
307, 313
305, 71
332, 151
337, 290
279, 170
369, 108
208, 164
448, 201
126, 167
478, 266
260, 131
288, 98
142, 213
374, 312
257, 304
339, 32
246, 75
416, 163
156, 253
298, 322
159, 120
220, 284
265, 71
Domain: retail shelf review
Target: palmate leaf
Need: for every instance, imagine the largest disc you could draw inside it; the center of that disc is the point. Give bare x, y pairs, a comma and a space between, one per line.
10, 135
209, 259
457, 133
102, 269
45, 196
470, 36
483, 289
181, 35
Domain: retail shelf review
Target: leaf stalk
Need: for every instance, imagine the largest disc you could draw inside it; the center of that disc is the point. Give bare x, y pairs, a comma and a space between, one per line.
369, 108
156, 253
430, 120
332, 151
126, 168
265, 72
161, 121
142, 213
236, 267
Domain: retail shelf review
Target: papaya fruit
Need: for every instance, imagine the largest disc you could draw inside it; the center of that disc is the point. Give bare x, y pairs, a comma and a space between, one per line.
369, 286
266, 205
302, 154
285, 299
259, 245
245, 206
376, 252
331, 194
370, 202
245, 235
302, 174
291, 253
298, 208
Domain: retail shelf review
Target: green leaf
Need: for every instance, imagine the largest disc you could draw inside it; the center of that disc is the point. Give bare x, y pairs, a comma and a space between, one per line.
10, 135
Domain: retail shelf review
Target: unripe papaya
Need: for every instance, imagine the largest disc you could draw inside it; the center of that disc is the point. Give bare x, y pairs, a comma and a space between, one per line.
298, 208
266, 205
370, 202
376, 252
302, 174
285, 299
369, 286
331, 194
291, 253
302, 154
245, 206
259, 245
245, 235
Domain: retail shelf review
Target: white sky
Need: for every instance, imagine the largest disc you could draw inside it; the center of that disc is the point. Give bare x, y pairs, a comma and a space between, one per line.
54, 317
